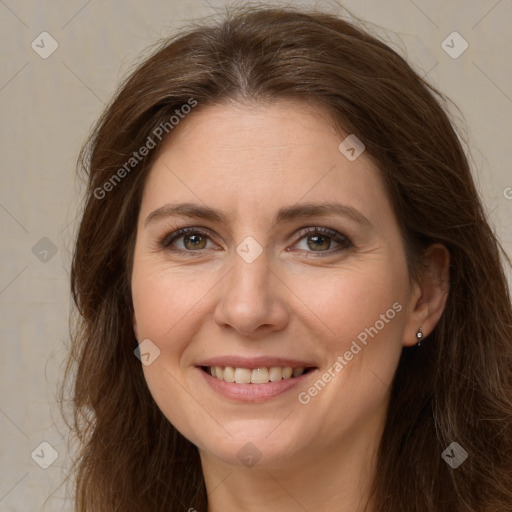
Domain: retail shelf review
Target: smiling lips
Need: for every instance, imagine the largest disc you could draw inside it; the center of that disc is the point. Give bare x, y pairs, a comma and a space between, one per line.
253, 380
256, 378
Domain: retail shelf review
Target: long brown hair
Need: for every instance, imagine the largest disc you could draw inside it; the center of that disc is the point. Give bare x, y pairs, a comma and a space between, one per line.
457, 387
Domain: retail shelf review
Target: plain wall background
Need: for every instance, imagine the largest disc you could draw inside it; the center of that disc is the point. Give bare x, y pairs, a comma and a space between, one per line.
47, 109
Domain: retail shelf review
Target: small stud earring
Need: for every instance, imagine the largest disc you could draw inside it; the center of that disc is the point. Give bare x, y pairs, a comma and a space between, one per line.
419, 336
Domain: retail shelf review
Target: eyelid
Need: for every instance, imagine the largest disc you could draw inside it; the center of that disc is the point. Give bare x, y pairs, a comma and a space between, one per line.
180, 232
344, 241
166, 241
332, 233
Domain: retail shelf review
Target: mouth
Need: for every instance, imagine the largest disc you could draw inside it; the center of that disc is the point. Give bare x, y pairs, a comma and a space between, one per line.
255, 379
257, 376
258, 384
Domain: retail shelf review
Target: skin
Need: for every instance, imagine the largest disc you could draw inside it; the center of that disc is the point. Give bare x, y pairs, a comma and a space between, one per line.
247, 161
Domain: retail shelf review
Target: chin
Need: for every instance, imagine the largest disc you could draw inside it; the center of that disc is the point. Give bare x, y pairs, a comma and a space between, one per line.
254, 442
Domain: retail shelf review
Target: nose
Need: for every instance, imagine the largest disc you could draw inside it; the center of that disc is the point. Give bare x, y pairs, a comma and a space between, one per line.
252, 299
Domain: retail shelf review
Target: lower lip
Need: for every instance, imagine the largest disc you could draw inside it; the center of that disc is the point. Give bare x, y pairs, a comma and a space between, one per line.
253, 392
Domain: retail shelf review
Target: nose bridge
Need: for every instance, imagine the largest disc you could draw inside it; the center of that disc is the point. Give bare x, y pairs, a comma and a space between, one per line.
250, 297
249, 282
251, 276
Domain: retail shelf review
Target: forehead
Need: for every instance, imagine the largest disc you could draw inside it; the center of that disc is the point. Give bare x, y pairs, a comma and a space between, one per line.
260, 157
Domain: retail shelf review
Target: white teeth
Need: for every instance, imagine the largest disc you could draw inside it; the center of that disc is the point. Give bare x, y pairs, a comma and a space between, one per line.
276, 373
287, 372
242, 375
261, 375
229, 374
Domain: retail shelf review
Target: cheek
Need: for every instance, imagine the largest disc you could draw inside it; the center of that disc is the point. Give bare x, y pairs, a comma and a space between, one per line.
361, 314
166, 307
165, 300
350, 300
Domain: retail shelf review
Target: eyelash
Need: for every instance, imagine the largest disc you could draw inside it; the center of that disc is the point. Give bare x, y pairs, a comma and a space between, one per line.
166, 241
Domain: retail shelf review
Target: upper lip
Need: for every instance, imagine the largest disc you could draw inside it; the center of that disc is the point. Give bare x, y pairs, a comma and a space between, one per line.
255, 362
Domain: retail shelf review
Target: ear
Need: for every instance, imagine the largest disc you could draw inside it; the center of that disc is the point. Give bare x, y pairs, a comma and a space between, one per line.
429, 294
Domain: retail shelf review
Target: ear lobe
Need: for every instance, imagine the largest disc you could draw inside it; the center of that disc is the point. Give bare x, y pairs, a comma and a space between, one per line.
430, 294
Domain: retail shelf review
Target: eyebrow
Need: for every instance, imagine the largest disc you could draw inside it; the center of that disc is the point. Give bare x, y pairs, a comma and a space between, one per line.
286, 214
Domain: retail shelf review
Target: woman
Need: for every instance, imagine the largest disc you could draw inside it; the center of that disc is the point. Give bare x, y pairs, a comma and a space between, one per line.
289, 295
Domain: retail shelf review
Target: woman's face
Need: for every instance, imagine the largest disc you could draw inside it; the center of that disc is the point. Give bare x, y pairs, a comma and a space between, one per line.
292, 259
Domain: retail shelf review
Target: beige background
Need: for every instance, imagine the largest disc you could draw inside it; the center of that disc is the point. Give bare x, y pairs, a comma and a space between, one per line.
47, 108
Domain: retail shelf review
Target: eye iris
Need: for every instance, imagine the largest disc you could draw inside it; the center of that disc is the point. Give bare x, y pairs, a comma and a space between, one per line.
196, 243
318, 245
317, 242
